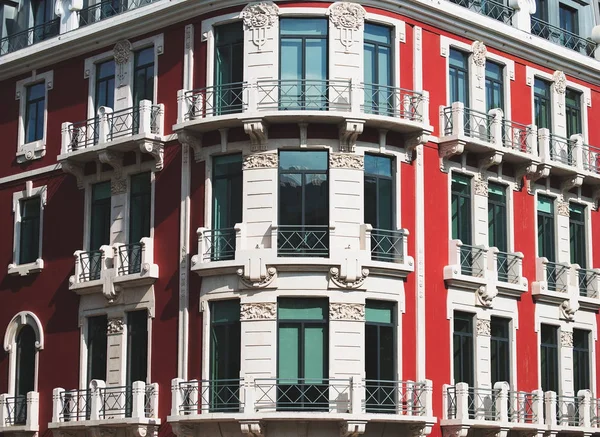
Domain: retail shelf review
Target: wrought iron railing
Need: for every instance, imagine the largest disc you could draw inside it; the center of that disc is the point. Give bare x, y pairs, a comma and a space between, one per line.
106, 9
393, 102
562, 37
27, 37
478, 125
304, 94
91, 265
515, 136
595, 412
116, 402
212, 396
490, 8
567, 410
219, 244
471, 260
395, 397
482, 403
16, 409
303, 240
83, 134
591, 158
561, 150
521, 407
149, 396
448, 123
556, 276
124, 122
216, 100
75, 405
155, 113
300, 394
588, 283
508, 267
130, 258
452, 404
387, 245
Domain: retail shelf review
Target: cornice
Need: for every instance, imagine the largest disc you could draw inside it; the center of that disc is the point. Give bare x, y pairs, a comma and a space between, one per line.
441, 14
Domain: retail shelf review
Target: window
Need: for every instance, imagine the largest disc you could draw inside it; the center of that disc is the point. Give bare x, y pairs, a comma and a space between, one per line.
303, 363
494, 86
229, 68
463, 348
577, 234
569, 21
581, 360
541, 11
573, 112
542, 104
140, 207
225, 345
303, 203
105, 85
96, 348
25, 375
380, 353
100, 215
34, 115
43, 12
379, 188
461, 208
29, 229
143, 76
500, 349
549, 358
497, 227
545, 219
459, 77
137, 346
227, 205
378, 73
303, 84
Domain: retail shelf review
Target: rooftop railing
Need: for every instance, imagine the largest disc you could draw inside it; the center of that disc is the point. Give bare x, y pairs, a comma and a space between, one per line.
490, 8
562, 37
27, 37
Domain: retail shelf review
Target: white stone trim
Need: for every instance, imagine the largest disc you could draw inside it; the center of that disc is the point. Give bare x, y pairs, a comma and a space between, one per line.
184, 260
35, 149
10, 345
398, 36
30, 173
29, 192
188, 58
207, 30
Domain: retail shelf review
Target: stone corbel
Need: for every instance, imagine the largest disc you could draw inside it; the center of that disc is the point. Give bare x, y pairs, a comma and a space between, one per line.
570, 182
114, 159
75, 169
349, 132
524, 171
485, 295
542, 171
568, 308
193, 141
156, 150
596, 198
352, 428
252, 428
262, 280
447, 151
412, 142
96, 431
490, 161
256, 129
183, 430
142, 431
419, 430
455, 431
346, 281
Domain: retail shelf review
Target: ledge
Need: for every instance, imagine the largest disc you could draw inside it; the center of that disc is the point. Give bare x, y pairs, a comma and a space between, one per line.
26, 269
31, 151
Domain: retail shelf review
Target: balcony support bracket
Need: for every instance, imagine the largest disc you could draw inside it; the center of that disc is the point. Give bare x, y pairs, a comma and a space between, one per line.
157, 150
256, 129
412, 142
571, 182
568, 308
455, 431
346, 279
447, 150
193, 141
525, 171
254, 275
75, 169
490, 160
114, 159
420, 430
252, 428
486, 294
349, 132
542, 171
352, 428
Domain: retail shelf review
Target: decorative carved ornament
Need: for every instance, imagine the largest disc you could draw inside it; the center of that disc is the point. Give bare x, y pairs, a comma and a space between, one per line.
258, 311
566, 339
189, 31
568, 308
480, 186
346, 160
484, 328
560, 82
115, 326
122, 53
336, 278
347, 311
260, 160
118, 186
262, 283
485, 295
258, 17
347, 18
563, 208
479, 53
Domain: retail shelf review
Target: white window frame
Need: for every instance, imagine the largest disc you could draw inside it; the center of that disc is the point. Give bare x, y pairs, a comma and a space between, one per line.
27, 151
29, 192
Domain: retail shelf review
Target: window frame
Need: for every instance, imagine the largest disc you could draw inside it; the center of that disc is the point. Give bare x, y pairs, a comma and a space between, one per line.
583, 227
500, 82
587, 362
505, 340
556, 348
472, 318
393, 179
537, 224
451, 196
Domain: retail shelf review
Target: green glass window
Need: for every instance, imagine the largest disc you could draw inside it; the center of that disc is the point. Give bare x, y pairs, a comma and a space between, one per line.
577, 234
137, 346
229, 68
100, 214
581, 360
302, 364
380, 353
225, 347
143, 76
105, 84
227, 191
461, 208
464, 358
542, 104
96, 348
573, 112
378, 192
500, 349
140, 207
378, 72
29, 230
497, 217
549, 357
494, 86
25, 372
34, 112
459, 77
545, 219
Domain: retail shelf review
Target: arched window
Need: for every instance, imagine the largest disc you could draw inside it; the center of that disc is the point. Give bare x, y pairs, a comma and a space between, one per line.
25, 372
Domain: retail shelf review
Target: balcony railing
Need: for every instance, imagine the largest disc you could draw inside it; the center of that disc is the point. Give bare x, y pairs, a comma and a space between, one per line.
557, 276
109, 126
106, 9
215, 100
517, 136
589, 283
305, 94
15, 410
395, 397
474, 124
480, 402
567, 410
490, 8
218, 244
393, 102
90, 264
509, 267
216, 396
472, 260
299, 394
19, 411
99, 402
303, 240
591, 158
33, 35
561, 150
562, 37
387, 245
525, 407
130, 258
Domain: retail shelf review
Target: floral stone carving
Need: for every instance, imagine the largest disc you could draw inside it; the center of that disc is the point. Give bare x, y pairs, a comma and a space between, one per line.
258, 311
347, 311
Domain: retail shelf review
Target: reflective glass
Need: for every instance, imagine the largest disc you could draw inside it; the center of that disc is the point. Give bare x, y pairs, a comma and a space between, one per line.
300, 160
303, 26
377, 33
291, 59
378, 165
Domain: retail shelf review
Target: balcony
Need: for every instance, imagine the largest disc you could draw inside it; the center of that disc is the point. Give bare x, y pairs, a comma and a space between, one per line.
19, 414
27, 37
467, 130
107, 9
134, 406
254, 402
563, 37
113, 268
303, 241
121, 131
489, 8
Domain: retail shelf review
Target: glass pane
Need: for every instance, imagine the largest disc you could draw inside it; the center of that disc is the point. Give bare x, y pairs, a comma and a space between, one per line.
302, 309
384, 61
387, 371
371, 351
370, 68
29, 230
378, 165
291, 62
100, 214
229, 33
137, 346
385, 209
288, 361
314, 354
296, 160
25, 364
140, 208
545, 204
96, 343
379, 312
105, 70
370, 198
303, 26
35, 92
290, 199
316, 208
225, 311
378, 34
316, 69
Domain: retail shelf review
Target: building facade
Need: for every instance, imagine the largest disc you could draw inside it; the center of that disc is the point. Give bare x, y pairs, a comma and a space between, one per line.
299, 218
